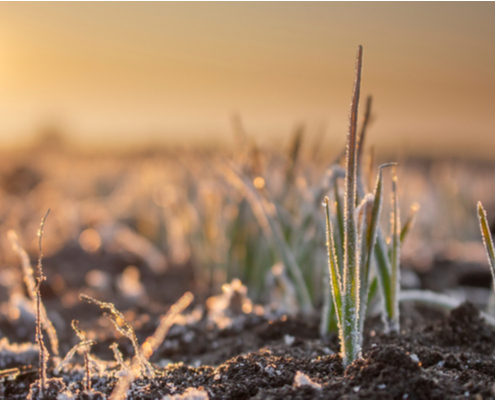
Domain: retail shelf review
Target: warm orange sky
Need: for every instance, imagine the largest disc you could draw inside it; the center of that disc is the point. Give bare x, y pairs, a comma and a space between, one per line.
129, 72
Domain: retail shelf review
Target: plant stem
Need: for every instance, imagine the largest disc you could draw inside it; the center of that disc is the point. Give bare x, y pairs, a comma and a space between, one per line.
350, 303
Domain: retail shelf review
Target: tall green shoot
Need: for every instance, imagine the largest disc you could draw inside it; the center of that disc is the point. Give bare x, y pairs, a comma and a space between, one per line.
395, 255
350, 298
357, 233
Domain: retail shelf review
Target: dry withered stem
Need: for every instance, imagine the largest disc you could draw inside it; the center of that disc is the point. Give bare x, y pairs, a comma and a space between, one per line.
43, 358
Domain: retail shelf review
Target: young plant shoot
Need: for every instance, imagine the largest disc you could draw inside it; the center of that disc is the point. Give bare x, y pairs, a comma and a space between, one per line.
350, 285
487, 239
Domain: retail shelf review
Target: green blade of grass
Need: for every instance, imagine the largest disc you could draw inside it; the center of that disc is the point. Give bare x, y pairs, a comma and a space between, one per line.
369, 238
372, 290
383, 267
406, 228
335, 280
395, 255
272, 229
339, 234
294, 152
369, 169
327, 183
367, 232
383, 271
332, 285
362, 135
350, 301
487, 239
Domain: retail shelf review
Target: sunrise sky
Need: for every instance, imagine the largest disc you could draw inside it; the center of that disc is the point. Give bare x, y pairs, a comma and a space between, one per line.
132, 73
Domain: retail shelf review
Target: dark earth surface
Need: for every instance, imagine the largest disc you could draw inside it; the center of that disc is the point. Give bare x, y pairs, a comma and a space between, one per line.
435, 356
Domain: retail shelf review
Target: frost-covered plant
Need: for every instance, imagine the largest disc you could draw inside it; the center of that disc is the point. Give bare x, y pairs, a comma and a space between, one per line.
85, 345
358, 227
487, 240
448, 302
149, 346
126, 329
44, 355
31, 286
265, 212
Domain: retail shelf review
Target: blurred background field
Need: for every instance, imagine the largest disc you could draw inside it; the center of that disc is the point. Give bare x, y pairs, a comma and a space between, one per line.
177, 210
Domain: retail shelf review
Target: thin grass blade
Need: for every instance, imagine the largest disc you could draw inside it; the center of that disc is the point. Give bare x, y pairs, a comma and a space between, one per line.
487, 239
395, 254
368, 242
362, 134
367, 235
406, 228
372, 290
339, 232
383, 267
350, 300
335, 280
31, 290
262, 210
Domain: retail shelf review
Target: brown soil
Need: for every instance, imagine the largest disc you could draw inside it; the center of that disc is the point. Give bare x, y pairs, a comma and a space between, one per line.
446, 357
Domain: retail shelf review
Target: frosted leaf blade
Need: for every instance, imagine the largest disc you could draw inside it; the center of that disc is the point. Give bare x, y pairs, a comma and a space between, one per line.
335, 280
487, 239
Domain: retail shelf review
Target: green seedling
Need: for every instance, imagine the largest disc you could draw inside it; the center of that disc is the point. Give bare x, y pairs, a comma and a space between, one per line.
487, 239
351, 315
490, 252
349, 283
351, 250
447, 302
264, 212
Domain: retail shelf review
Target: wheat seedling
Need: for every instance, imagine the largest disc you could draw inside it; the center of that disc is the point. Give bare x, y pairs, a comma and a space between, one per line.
358, 228
347, 292
487, 240
264, 212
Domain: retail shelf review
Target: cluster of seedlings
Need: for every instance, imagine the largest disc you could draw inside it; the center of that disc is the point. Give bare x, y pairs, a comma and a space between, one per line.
362, 266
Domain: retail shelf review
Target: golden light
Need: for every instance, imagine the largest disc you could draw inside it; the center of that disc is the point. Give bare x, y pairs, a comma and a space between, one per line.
90, 240
259, 182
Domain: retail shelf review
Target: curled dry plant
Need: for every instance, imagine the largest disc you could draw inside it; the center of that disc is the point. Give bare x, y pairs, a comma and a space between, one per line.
44, 355
43, 386
31, 286
85, 345
140, 365
126, 329
149, 346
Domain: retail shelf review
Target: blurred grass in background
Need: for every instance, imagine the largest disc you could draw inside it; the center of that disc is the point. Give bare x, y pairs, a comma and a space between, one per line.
177, 208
